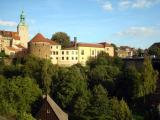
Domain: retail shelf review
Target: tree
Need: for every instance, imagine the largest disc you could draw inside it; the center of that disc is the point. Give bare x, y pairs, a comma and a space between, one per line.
148, 78
99, 107
154, 50
70, 89
62, 38
18, 95
119, 110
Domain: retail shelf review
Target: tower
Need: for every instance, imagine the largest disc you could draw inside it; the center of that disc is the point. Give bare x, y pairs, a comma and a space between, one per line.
22, 30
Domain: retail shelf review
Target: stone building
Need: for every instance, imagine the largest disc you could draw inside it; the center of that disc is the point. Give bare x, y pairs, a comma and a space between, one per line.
15, 42
78, 53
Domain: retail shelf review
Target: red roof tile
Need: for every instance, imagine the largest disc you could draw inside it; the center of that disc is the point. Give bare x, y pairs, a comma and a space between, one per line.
40, 38
98, 45
14, 35
11, 48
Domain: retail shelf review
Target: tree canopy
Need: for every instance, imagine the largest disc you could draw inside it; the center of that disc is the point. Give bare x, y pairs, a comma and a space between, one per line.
62, 38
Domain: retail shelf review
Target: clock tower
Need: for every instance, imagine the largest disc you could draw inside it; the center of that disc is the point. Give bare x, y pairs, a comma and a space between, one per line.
22, 30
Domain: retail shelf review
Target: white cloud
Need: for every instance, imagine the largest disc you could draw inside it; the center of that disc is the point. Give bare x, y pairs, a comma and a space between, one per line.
139, 32
124, 4
107, 6
7, 23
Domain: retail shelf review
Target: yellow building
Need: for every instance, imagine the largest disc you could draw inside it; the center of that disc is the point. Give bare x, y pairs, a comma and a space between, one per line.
79, 53
13, 43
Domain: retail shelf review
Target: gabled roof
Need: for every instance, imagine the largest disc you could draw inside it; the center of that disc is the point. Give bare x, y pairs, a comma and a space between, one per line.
40, 38
56, 109
11, 34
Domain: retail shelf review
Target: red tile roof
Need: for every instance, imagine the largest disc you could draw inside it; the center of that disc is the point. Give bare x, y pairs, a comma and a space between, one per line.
11, 34
40, 38
20, 46
98, 45
11, 48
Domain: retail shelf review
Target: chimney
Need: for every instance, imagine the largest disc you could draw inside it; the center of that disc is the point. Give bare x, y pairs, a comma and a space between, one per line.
75, 42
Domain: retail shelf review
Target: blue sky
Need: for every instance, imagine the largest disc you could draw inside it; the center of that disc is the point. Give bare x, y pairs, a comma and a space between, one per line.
135, 23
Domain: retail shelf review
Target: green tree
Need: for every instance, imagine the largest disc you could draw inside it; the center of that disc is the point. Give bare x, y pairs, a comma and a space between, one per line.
17, 95
62, 38
99, 106
148, 78
154, 50
119, 110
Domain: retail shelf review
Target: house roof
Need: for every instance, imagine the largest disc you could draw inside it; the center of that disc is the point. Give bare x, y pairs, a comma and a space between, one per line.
11, 48
11, 34
57, 110
20, 46
40, 38
98, 45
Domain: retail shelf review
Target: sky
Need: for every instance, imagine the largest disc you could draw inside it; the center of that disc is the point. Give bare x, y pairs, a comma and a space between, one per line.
134, 23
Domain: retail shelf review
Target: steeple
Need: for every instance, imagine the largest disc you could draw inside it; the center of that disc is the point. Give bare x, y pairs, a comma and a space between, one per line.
22, 30
22, 18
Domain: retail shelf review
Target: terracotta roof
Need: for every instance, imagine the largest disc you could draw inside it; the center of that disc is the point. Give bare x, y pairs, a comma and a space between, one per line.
11, 34
11, 48
20, 46
57, 110
70, 48
52, 42
40, 38
98, 45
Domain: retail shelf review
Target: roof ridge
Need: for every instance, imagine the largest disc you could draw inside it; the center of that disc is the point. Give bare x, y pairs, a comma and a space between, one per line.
58, 111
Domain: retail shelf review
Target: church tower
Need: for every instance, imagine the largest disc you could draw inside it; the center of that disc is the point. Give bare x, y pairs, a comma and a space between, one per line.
22, 30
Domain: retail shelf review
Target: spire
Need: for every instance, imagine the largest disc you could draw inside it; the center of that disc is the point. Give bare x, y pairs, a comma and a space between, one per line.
22, 18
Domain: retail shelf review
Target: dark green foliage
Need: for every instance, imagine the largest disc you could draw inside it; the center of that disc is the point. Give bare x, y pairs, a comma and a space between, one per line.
154, 50
62, 38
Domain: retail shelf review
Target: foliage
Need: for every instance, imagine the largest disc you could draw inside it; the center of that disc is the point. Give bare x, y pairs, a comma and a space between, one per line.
17, 95
154, 50
62, 38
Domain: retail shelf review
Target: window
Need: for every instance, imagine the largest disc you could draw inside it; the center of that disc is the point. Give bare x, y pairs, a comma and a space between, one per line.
67, 58
92, 52
48, 111
62, 58
62, 52
56, 47
67, 52
107, 49
76, 58
72, 58
56, 52
72, 52
82, 52
56, 58
51, 47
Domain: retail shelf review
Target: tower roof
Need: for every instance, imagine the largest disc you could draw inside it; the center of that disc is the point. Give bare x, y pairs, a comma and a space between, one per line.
40, 38
22, 18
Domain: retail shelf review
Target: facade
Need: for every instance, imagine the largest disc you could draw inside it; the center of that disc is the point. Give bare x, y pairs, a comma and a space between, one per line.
50, 111
42, 47
125, 52
15, 42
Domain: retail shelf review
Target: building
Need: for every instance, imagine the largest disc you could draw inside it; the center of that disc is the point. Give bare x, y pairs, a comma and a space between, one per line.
50, 111
15, 42
42, 47
125, 52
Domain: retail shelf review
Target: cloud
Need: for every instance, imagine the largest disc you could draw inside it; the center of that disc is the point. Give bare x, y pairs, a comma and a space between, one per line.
139, 32
7, 23
107, 6
124, 4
